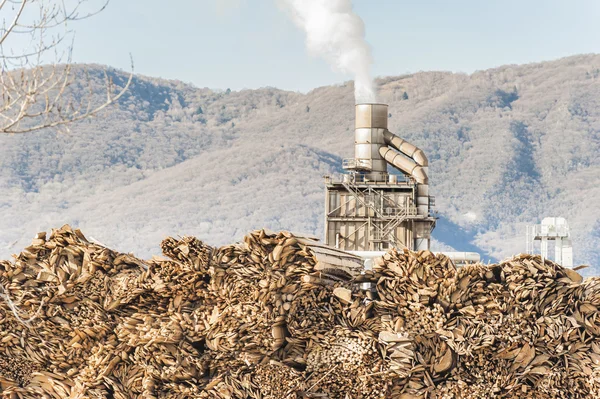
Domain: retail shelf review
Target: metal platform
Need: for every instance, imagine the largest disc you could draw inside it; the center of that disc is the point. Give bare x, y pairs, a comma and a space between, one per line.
552, 229
364, 214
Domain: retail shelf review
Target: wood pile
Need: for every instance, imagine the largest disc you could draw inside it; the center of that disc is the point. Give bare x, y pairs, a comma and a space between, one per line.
269, 318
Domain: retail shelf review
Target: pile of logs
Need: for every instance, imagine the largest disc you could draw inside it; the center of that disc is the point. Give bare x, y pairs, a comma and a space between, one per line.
264, 319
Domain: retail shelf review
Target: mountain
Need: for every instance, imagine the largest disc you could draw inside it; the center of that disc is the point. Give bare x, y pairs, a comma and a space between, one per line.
507, 147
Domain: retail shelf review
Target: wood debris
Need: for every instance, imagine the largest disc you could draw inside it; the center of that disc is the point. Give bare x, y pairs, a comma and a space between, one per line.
274, 318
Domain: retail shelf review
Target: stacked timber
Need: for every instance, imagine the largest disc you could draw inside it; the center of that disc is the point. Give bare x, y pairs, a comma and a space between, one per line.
279, 316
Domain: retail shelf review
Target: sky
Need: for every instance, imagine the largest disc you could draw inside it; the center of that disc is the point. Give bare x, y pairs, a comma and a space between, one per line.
252, 43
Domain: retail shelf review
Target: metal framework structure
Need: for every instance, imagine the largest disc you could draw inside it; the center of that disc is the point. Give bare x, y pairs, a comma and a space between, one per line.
363, 215
369, 209
552, 229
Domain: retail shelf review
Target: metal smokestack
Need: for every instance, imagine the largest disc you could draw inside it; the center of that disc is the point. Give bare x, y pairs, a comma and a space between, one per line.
370, 125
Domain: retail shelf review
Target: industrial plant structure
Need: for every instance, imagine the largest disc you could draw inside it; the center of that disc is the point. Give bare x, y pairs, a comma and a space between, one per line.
369, 209
552, 229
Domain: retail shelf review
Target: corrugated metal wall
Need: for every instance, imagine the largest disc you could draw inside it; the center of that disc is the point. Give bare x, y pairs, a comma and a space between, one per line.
355, 234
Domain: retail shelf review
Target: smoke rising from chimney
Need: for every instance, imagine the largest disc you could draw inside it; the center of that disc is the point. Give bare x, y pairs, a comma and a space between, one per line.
336, 33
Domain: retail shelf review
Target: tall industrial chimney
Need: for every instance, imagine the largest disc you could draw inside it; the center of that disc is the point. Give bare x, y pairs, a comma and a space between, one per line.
370, 125
369, 209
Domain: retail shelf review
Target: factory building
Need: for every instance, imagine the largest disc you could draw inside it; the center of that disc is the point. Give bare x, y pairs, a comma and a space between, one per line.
369, 209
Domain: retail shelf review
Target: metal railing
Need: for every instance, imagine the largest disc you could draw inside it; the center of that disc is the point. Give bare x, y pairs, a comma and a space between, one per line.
361, 196
391, 226
358, 178
541, 230
357, 164
406, 211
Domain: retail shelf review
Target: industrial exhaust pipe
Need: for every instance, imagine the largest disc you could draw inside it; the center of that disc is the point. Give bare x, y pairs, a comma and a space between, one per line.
372, 154
406, 148
370, 126
371, 141
415, 163
406, 165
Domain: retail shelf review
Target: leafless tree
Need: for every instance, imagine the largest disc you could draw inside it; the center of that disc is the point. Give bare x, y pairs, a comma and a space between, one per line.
35, 79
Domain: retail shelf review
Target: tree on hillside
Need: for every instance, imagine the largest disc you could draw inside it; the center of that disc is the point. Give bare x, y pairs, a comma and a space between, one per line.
35, 66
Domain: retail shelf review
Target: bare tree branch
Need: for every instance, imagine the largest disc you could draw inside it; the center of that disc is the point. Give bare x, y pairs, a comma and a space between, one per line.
37, 96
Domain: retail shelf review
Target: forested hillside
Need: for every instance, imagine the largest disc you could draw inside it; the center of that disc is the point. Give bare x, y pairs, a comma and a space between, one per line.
507, 146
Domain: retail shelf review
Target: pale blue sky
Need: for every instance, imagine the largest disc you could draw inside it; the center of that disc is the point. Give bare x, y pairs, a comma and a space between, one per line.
248, 44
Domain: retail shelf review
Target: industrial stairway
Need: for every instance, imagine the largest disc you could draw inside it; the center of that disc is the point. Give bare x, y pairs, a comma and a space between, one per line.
386, 219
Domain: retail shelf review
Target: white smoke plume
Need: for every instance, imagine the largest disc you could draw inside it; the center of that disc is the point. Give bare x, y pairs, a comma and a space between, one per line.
336, 33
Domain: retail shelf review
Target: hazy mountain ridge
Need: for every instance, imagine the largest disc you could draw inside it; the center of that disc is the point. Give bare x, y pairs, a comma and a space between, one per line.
507, 146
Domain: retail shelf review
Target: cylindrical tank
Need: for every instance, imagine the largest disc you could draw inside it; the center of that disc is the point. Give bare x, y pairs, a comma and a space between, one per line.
422, 236
423, 199
371, 124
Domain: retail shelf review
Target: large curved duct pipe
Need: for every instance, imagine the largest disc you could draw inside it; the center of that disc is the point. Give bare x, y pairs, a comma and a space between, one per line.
414, 164
406, 148
406, 165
